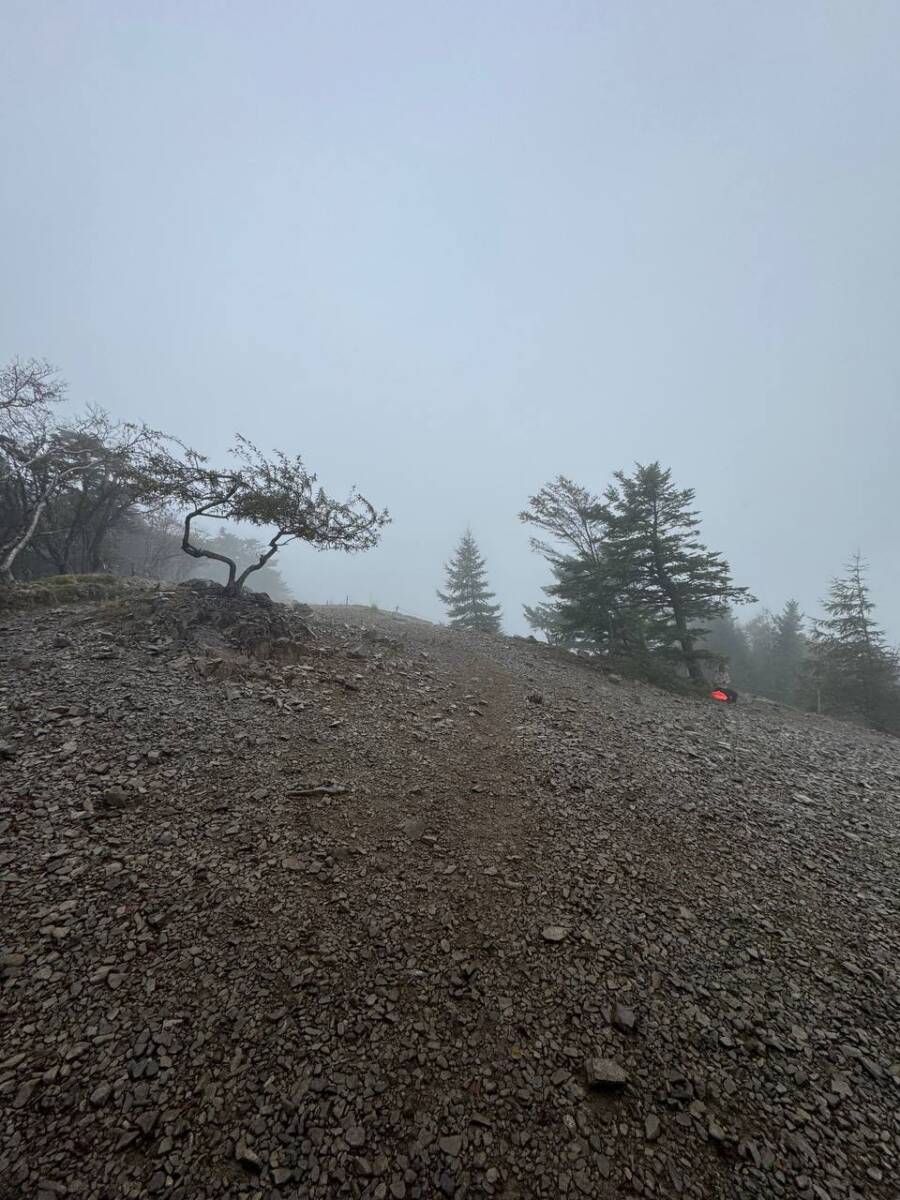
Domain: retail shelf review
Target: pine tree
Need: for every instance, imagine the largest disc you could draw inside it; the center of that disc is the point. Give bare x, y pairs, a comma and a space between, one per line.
584, 608
788, 652
664, 572
467, 597
855, 672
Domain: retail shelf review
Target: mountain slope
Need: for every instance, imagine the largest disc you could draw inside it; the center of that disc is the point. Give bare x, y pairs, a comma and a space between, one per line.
358, 916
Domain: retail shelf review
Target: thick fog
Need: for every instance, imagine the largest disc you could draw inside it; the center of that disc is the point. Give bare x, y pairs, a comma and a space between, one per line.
448, 252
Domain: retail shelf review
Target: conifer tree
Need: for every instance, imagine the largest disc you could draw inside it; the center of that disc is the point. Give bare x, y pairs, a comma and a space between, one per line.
761, 636
585, 607
662, 568
467, 597
855, 672
788, 652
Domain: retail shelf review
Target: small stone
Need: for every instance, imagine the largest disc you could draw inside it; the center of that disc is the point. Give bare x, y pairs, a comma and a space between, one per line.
355, 1137
554, 933
23, 1095
606, 1073
114, 798
452, 1145
101, 1093
248, 1158
146, 1121
651, 1128
624, 1018
398, 1188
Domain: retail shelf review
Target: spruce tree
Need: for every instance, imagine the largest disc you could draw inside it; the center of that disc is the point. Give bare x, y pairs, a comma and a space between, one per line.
663, 570
467, 597
788, 652
854, 670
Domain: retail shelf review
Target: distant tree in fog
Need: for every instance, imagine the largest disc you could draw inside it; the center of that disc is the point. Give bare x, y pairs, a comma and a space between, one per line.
467, 597
854, 671
727, 641
241, 550
789, 652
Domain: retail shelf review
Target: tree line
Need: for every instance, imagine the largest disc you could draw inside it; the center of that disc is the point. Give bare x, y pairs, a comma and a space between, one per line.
630, 578
632, 582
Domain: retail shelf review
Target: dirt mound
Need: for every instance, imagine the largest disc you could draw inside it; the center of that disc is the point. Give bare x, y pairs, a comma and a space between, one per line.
202, 616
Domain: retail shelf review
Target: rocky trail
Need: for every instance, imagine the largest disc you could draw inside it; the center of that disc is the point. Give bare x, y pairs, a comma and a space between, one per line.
346, 904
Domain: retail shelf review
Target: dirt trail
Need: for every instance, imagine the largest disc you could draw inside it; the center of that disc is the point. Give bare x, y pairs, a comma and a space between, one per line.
278, 930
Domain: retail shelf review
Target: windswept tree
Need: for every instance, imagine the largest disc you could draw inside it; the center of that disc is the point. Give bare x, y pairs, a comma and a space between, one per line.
571, 517
663, 570
467, 597
276, 494
585, 607
854, 671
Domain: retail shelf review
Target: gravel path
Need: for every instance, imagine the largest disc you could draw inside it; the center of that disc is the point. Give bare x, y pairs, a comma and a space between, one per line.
404, 913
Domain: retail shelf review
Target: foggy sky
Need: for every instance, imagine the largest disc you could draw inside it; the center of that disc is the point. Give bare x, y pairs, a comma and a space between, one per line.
447, 252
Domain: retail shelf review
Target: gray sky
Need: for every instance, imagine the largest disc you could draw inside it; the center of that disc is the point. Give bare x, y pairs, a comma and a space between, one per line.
448, 251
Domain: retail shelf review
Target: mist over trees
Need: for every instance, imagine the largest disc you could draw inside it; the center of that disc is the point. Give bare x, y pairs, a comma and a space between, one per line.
631, 580
839, 664
467, 596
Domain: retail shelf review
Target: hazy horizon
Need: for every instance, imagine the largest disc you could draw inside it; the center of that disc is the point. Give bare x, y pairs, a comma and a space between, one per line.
447, 254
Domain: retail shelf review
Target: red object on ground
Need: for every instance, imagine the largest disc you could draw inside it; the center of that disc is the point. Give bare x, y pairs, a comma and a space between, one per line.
720, 695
